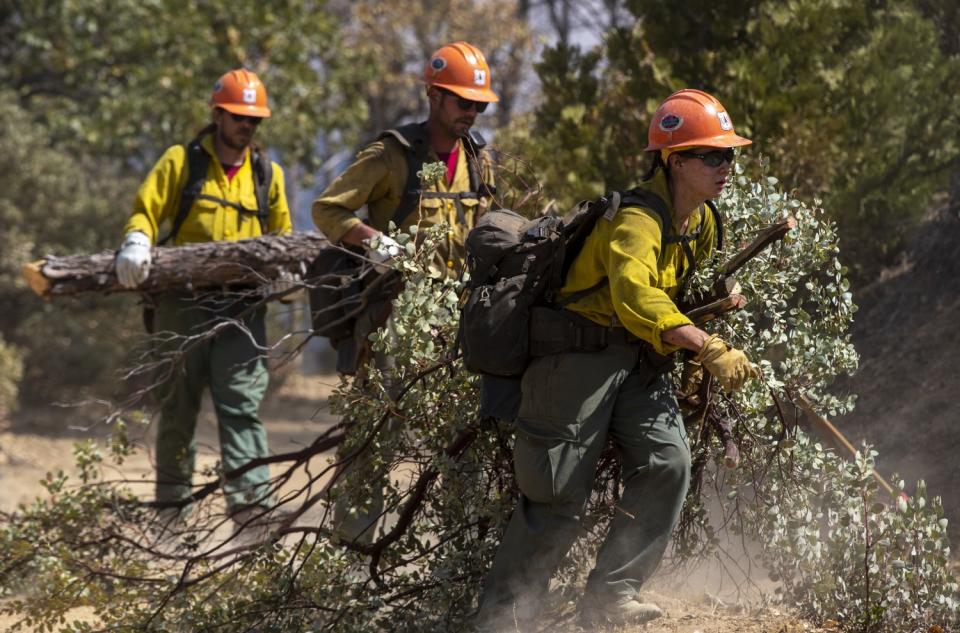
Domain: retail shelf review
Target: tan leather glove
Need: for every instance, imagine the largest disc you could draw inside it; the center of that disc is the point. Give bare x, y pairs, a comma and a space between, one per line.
730, 366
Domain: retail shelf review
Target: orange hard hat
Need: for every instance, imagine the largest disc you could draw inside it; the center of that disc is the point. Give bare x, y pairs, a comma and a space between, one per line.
241, 92
462, 69
692, 118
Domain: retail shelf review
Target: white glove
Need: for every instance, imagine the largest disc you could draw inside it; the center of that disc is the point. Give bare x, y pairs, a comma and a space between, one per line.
133, 260
382, 251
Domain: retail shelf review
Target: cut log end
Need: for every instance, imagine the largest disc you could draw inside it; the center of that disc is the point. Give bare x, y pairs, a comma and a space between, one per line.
33, 274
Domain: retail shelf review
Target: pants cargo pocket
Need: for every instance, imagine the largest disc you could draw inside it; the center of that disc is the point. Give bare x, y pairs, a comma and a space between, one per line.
547, 471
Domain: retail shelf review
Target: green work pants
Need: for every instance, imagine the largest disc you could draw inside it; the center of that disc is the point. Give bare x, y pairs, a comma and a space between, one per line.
232, 364
571, 404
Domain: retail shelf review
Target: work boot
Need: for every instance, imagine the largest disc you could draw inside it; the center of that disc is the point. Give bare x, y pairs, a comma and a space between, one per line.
627, 610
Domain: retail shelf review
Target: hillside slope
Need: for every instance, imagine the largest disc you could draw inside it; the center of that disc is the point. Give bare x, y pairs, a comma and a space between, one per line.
906, 332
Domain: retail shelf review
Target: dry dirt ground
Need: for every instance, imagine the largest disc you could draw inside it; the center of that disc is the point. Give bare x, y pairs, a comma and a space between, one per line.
34, 442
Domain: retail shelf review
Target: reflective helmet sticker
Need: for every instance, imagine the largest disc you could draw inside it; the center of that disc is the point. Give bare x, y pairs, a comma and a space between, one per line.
671, 123
725, 123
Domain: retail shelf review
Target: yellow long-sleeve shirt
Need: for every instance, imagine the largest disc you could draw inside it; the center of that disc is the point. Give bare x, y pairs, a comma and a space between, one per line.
642, 284
378, 178
158, 199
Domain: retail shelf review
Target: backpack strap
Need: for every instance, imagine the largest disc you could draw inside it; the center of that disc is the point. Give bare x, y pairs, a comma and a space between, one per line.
262, 181
198, 161
643, 197
640, 197
718, 223
608, 207
474, 144
416, 144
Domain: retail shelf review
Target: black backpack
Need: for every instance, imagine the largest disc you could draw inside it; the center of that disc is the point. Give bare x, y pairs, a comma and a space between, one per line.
198, 160
517, 264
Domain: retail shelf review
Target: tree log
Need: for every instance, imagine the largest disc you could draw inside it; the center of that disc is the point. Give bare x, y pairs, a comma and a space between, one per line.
207, 265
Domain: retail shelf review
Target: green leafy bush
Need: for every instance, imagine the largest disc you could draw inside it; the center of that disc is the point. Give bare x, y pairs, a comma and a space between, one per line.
58, 204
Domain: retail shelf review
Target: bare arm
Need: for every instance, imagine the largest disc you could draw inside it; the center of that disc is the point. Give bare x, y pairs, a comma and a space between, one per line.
686, 336
358, 233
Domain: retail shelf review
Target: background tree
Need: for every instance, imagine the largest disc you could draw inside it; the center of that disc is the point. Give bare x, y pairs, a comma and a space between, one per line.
845, 98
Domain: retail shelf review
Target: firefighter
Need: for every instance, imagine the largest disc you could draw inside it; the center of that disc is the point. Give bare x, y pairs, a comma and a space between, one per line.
219, 186
384, 179
574, 401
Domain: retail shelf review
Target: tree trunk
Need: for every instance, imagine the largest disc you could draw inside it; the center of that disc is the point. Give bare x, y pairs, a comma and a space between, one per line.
207, 265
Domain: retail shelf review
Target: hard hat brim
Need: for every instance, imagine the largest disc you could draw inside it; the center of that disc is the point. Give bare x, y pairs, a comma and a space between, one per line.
721, 141
473, 94
247, 110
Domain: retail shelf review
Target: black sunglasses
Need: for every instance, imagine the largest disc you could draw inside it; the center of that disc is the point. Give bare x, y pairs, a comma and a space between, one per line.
466, 104
713, 158
240, 118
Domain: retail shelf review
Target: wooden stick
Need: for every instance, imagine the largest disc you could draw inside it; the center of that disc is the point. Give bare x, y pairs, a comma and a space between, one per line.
715, 309
833, 436
766, 237
725, 295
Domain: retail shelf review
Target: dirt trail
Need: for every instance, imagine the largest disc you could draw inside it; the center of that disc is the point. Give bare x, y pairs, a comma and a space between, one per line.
40, 440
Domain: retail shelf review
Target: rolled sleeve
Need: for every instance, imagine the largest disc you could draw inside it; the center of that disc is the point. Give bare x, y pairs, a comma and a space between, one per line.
365, 180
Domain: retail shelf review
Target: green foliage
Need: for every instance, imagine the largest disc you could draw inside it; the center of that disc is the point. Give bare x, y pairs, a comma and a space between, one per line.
432, 172
846, 99
835, 550
127, 79
55, 203
838, 552
843, 549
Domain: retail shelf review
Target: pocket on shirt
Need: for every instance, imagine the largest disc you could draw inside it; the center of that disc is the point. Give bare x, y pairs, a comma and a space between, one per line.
432, 211
470, 207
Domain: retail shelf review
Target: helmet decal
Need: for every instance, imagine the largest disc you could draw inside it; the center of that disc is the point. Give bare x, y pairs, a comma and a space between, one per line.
437, 64
671, 123
217, 87
250, 95
479, 76
725, 123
